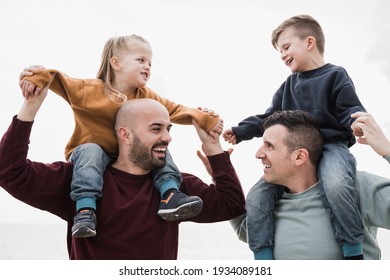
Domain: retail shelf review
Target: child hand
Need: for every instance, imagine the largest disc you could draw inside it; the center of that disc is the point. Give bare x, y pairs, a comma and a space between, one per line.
28, 88
218, 128
229, 137
29, 71
208, 111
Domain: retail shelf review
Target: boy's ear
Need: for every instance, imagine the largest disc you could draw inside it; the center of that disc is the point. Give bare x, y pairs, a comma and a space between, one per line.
311, 42
115, 63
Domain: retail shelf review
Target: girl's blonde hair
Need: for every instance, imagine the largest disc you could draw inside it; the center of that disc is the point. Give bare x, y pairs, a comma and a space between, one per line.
113, 47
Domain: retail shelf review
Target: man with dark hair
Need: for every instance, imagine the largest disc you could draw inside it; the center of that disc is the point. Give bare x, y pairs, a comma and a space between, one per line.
290, 155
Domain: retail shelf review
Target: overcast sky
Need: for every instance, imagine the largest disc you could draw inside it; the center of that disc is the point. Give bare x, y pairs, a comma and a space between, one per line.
209, 53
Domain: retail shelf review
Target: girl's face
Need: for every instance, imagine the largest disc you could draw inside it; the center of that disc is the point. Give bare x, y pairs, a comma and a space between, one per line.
293, 51
133, 69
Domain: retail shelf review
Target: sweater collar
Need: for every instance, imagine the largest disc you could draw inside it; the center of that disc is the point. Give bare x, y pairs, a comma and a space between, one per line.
311, 190
311, 73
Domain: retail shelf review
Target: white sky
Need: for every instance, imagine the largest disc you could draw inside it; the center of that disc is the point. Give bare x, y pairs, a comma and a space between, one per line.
209, 53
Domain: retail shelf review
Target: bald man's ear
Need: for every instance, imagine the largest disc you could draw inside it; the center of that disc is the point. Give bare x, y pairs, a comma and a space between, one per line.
125, 135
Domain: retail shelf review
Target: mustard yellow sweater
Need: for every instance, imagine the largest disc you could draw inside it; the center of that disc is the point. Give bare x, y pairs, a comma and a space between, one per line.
94, 113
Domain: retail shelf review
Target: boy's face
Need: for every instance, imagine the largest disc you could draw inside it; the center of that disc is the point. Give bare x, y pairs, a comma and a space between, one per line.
293, 51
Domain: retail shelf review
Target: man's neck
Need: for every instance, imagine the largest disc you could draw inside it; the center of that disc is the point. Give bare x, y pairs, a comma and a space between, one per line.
129, 167
302, 183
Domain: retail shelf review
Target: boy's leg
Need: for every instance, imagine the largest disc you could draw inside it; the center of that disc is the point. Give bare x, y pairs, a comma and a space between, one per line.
174, 204
337, 171
89, 161
260, 205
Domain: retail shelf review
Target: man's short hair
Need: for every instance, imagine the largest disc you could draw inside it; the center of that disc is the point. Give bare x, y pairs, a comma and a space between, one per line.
303, 132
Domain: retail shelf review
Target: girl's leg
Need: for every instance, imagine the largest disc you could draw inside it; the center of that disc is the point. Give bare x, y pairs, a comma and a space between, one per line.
90, 162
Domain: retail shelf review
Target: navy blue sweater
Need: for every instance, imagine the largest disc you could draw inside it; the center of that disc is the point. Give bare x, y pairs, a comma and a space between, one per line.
327, 93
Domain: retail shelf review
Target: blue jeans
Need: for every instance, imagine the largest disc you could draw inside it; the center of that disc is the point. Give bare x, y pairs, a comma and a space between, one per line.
260, 205
168, 177
90, 162
336, 171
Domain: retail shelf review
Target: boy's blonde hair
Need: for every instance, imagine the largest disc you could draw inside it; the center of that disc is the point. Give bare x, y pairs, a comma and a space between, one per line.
305, 26
113, 47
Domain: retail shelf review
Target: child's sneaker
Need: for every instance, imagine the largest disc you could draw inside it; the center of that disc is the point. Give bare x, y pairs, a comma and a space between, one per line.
179, 206
84, 224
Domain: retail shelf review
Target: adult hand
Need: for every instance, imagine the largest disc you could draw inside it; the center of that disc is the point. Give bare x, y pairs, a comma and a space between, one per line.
217, 129
205, 160
28, 88
31, 106
211, 143
369, 133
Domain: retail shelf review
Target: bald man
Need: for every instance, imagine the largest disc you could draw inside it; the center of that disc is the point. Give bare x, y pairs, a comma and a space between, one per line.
128, 225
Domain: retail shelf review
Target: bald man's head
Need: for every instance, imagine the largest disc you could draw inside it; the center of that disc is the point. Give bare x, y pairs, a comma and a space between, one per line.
130, 112
142, 129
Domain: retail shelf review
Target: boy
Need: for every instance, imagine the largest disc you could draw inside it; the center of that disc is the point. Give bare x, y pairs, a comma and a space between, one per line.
327, 92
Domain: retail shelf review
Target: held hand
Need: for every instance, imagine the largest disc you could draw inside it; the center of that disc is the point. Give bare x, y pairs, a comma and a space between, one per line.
209, 111
28, 88
29, 71
217, 129
369, 133
211, 143
206, 161
31, 106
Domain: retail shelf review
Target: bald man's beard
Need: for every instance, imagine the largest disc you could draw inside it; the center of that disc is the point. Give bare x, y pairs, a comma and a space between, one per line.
140, 155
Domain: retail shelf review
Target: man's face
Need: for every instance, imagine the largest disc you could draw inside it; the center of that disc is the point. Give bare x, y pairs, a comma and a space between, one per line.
150, 139
277, 160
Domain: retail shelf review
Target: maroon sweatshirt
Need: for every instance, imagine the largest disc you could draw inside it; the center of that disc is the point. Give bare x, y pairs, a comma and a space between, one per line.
128, 226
